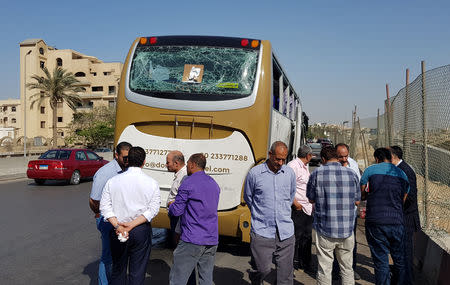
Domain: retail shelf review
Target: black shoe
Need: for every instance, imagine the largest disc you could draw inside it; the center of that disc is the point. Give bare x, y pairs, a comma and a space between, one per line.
357, 277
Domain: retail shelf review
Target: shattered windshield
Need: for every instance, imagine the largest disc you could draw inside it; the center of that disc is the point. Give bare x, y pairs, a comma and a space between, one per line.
193, 72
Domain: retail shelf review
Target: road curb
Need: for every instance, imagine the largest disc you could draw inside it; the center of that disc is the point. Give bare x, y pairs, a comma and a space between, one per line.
12, 177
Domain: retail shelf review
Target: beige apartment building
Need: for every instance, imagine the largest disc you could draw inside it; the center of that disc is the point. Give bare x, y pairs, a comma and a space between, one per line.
99, 80
10, 118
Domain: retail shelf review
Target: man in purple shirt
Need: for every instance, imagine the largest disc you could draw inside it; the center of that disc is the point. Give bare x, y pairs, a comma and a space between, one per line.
196, 203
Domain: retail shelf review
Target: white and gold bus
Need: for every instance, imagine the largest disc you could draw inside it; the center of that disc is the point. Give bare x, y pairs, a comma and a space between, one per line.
226, 97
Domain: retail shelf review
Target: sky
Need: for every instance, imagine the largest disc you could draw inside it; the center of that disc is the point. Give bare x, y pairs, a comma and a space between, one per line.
337, 54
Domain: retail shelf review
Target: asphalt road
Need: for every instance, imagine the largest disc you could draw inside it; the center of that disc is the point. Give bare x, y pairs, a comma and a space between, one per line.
48, 236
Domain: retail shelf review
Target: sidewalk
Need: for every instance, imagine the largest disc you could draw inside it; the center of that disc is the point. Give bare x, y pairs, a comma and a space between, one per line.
16, 167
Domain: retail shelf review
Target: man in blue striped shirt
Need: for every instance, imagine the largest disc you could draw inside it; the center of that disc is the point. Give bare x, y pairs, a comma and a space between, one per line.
269, 193
334, 190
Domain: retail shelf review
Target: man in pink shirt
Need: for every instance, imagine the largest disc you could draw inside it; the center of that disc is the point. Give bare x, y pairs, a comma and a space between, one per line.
302, 210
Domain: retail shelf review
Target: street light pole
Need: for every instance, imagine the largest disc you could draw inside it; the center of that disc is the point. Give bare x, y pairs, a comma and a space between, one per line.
25, 104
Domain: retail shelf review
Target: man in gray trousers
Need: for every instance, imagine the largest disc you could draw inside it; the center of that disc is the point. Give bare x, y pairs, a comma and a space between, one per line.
269, 193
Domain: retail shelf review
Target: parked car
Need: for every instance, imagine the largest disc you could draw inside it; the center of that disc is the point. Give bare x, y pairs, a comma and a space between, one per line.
316, 148
325, 142
71, 165
102, 150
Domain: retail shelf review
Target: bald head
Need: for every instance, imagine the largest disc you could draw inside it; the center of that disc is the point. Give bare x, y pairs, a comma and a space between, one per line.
174, 161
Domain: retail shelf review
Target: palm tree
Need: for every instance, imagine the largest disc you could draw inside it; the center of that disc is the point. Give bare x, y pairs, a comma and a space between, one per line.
62, 86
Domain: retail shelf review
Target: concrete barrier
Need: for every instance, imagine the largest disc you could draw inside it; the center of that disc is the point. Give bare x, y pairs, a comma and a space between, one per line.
431, 261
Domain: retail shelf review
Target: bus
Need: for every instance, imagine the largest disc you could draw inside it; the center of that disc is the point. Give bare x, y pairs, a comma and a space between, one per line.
226, 97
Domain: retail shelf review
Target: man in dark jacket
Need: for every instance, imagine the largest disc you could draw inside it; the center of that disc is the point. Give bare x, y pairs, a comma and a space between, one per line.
410, 211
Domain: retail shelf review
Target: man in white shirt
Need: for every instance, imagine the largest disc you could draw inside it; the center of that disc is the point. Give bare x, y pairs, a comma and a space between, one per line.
175, 163
342, 150
129, 202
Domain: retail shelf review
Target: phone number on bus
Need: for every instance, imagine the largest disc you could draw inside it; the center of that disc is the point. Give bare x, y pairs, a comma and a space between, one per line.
211, 155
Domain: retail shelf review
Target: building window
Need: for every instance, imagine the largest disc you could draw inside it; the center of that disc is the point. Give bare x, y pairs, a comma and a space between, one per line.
41, 50
111, 90
5, 119
61, 134
42, 124
5, 108
13, 120
111, 104
97, 88
106, 73
60, 119
42, 110
42, 64
80, 74
13, 108
91, 104
58, 62
94, 73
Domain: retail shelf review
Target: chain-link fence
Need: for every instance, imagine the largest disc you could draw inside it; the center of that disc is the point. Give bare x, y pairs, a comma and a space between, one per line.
418, 120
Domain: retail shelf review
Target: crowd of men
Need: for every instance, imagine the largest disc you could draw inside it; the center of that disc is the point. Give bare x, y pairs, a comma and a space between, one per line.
125, 200
286, 202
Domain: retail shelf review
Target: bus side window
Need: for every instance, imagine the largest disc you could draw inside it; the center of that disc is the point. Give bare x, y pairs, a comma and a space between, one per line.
292, 109
276, 85
286, 99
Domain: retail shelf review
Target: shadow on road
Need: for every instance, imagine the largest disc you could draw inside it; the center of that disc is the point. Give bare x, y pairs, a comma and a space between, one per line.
226, 276
159, 271
233, 246
91, 270
365, 273
50, 182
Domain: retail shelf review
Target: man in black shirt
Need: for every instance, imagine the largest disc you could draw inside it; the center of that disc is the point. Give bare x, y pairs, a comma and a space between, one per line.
410, 211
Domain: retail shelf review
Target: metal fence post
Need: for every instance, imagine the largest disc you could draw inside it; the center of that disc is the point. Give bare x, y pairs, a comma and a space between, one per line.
405, 126
386, 129
425, 148
389, 117
353, 148
364, 146
378, 129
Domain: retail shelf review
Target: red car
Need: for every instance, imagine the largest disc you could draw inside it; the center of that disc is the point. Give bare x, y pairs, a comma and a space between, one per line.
65, 164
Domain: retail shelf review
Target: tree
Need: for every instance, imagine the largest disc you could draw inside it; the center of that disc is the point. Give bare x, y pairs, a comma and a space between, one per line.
61, 86
94, 129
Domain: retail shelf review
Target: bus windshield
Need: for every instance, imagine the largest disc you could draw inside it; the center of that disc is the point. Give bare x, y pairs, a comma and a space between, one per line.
193, 72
